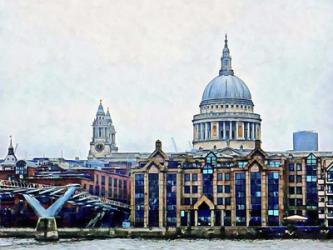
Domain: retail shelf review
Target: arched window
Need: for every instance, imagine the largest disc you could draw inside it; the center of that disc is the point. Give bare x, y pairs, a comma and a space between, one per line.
330, 174
211, 159
311, 160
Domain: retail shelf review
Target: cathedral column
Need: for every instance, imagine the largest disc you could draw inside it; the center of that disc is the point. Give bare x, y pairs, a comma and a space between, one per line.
206, 130
230, 130
248, 131
252, 129
224, 133
203, 131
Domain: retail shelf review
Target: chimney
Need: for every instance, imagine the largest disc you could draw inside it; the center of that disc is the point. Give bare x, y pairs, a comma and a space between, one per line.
257, 144
158, 145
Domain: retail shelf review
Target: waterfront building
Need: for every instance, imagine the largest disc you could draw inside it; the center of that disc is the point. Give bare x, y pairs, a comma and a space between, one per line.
305, 141
227, 117
104, 135
226, 187
232, 187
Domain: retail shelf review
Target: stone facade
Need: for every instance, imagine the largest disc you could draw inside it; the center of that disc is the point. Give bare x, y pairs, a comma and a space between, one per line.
103, 142
232, 187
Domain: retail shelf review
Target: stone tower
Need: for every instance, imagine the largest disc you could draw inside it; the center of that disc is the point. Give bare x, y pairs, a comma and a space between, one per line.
103, 141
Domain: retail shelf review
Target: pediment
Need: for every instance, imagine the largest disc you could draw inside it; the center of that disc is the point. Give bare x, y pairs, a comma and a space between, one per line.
203, 199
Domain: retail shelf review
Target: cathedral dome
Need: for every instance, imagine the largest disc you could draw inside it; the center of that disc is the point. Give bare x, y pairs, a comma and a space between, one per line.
226, 88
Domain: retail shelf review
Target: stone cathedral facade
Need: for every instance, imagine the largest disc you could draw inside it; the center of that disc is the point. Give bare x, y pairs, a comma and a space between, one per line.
103, 141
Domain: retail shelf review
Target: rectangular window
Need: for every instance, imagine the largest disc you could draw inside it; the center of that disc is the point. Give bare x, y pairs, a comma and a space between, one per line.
273, 199
187, 201
291, 190
110, 188
227, 201
219, 188
227, 176
240, 198
255, 202
171, 199
153, 202
219, 201
299, 167
299, 178
187, 189
291, 178
299, 202
227, 189
292, 202
220, 176
299, 190
291, 166
187, 177
194, 189
139, 199
194, 177
103, 180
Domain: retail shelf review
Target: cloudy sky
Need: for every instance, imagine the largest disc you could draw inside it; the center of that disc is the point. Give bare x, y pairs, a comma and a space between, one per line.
150, 61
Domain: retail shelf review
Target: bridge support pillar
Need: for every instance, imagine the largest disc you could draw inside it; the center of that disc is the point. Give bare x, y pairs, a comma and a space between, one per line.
46, 229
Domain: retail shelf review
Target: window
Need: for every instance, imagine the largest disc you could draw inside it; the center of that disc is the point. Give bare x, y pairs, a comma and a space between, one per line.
153, 200
219, 201
194, 189
240, 199
103, 180
273, 199
291, 202
255, 202
330, 174
187, 177
311, 178
227, 189
299, 202
220, 176
194, 177
298, 190
291, 190
291, 166
299, 167
242, 164
187, 189
171, 199
227, 201
291, 178
311, 160
187, 201
139, 199
298, 179
219, 188
227, 176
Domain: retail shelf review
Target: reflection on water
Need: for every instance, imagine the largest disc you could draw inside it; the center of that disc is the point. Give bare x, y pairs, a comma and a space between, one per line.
138, 244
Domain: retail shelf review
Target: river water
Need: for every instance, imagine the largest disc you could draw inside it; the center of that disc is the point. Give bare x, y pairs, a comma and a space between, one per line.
138, 244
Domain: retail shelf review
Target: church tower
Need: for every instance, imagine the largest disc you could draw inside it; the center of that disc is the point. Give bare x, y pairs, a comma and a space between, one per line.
10, 160
103, 141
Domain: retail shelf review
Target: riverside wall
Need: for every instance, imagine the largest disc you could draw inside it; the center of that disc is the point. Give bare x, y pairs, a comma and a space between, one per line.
181, 232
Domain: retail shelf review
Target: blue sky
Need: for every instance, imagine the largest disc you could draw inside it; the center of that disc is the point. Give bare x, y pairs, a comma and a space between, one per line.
150, 61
